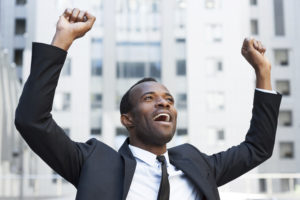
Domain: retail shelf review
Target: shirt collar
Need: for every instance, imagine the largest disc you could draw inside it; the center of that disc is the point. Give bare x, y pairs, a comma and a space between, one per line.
146, 156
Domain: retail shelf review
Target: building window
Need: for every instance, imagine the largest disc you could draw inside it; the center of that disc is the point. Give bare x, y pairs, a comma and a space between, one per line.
215, 101
214, 33
18, 57
220, 134
279, 18
216, 135
20, 26
253, 2
62, 101
281, 57
213, 66
96, 67
96, 131
20, 2
155, 7
181, 67
96, 101
254, 26
130, 69
181, 101
262, 185
286, 150
285, 118
283, 87
284, 185
66, 70
182, 132
155, 71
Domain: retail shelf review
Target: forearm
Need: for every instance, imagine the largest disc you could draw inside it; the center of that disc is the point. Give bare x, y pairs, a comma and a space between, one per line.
258, 145
62, 41
263, 80
37, 97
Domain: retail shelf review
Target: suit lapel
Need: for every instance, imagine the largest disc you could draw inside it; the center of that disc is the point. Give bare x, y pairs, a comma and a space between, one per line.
129, 167
197, 173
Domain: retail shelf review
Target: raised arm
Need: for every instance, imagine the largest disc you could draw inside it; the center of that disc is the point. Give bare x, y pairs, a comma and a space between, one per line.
33, 118
259, 142
254, 53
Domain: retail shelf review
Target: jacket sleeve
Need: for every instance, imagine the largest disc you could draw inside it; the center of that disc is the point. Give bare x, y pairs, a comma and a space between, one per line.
34, 120
258, 145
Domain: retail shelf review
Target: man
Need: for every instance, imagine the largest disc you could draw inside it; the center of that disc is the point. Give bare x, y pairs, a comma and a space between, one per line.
143, 168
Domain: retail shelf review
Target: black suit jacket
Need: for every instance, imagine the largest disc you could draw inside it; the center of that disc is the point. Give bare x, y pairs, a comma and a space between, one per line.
98, 171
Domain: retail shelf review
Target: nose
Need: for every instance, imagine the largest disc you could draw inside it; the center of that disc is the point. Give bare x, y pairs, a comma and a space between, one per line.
163, 103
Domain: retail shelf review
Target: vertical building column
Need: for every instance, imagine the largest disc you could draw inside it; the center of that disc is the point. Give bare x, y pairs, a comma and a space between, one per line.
168, 43
109, 71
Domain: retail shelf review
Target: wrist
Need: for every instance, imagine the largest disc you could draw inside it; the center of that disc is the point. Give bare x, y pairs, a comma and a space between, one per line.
62, 40
263, 80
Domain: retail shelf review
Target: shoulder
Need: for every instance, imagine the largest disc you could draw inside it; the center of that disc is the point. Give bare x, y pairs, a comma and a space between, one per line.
95, 146
187, 151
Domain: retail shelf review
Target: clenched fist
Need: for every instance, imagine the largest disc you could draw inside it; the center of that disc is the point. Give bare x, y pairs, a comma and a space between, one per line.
71, 25
254, 53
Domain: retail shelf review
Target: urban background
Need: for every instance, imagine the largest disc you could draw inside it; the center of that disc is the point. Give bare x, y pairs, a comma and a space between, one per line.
191, 46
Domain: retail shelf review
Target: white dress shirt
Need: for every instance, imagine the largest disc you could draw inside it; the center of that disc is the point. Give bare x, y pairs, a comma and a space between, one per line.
147, 176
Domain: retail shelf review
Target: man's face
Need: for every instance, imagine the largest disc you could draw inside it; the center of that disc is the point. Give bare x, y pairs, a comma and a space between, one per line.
153, 113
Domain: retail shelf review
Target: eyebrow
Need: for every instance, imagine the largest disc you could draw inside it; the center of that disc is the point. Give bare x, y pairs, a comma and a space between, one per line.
166, 93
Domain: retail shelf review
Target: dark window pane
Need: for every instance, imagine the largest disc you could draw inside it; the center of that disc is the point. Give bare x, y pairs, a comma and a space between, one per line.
253, 2
279, 18
96, 67
121, 131
219, 66
96, 101
220, 134
182, 131
181, 101
283, 87
285, 118
286, 149
155, 69
254, 27
20, 26
20, 2
18, 57
96, 131
130, 69
281, 57
262, 185
181, 67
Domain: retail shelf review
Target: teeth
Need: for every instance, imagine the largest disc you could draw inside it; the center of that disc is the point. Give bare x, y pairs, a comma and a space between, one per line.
162, 114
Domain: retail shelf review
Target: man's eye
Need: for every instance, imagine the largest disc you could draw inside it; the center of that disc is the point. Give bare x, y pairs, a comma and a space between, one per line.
148, 98
171, 100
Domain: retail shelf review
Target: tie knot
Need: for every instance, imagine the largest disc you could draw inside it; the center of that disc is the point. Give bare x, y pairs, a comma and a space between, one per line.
161, 159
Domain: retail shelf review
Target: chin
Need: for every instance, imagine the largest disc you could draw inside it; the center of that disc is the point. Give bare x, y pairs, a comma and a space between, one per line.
164, 138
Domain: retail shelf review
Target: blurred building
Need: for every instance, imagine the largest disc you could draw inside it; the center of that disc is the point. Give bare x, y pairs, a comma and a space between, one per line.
193, 47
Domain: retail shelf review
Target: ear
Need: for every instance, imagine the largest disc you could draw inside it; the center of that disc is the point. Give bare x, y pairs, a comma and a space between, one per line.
127, 121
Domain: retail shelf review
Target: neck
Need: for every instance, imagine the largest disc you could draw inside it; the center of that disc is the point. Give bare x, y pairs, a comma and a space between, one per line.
157, 150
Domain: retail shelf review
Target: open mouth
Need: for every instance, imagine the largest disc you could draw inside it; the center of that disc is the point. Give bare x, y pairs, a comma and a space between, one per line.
162, 117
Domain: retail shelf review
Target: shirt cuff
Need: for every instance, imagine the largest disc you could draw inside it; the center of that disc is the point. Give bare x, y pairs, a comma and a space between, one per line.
266, 91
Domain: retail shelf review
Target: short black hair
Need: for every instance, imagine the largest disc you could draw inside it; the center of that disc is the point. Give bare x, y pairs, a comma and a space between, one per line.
125, 104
